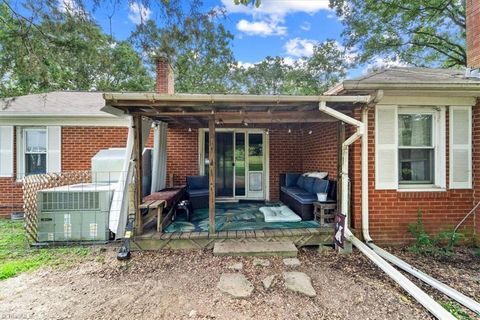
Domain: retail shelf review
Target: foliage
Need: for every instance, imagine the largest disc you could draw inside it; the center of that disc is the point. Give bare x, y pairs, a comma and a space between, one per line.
16, 256
430, 32
199, 46
306, 76
456, 310
64, 52
439, 245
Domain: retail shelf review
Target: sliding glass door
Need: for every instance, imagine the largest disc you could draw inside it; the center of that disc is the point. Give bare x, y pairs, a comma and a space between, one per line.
240, 168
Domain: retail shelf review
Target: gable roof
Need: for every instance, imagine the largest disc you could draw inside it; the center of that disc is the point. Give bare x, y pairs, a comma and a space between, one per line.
410, 78
55, 104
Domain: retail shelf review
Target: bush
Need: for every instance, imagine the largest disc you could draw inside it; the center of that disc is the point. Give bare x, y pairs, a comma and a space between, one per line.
456, 310
441, 244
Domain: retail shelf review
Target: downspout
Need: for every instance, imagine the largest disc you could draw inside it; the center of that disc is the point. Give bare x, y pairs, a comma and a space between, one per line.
423, 298
452, 293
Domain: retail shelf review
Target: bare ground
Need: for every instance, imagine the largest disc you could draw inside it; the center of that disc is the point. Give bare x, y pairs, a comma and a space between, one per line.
170, 284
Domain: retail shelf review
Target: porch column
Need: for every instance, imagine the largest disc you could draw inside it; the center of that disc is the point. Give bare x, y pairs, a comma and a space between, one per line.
211, 173
137, 151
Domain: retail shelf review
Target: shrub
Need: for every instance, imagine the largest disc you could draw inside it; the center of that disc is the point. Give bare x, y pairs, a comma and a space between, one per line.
441, 244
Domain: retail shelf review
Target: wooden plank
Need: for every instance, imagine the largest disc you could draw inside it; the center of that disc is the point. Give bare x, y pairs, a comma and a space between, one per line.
166, 236
185, 235
250, 234
241, 234
211, 173
146, 204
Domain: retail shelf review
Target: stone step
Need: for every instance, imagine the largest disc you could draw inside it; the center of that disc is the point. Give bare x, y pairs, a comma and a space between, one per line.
258, 249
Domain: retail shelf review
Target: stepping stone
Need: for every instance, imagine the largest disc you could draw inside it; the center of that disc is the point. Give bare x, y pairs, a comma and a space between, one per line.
292, 262
260, 249
268, 282
235, 284
261, 263
236, 266
299, 282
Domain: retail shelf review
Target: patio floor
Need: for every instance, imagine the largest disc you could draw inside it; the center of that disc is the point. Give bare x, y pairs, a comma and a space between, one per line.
236, 216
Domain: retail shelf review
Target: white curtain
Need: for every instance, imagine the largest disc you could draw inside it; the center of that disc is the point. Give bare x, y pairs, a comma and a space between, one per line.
119, 206
159, 166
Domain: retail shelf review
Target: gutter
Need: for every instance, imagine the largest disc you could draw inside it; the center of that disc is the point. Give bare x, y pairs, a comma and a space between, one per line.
450, 292
423, 298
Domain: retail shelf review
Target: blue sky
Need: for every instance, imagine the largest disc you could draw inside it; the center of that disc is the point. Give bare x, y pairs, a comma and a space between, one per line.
287, 28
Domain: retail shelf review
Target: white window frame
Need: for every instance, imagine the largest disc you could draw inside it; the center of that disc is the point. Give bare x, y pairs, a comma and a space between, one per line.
21, 148
438, 141
434, 146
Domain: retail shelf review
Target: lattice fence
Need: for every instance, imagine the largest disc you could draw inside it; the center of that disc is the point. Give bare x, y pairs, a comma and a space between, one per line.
34, 183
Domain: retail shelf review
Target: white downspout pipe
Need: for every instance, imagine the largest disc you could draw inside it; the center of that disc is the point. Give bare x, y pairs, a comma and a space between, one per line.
452, 293
428, 302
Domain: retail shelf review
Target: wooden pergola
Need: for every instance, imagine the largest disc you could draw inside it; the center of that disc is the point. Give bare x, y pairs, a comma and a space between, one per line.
210, 111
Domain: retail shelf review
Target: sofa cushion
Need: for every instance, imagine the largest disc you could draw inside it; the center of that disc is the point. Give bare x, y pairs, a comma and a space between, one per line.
291, 179
305, 198
197, 182
301, 182
198, 192
321, 186
308, 184
292, 190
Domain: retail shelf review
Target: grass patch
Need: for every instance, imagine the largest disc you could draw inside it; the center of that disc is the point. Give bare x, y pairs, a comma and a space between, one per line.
16, 255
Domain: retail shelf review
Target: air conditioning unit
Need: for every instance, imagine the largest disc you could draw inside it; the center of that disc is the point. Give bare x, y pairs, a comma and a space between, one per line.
74, 213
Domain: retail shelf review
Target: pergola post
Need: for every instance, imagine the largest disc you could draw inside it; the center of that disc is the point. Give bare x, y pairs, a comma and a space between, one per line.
211, 173
137, 150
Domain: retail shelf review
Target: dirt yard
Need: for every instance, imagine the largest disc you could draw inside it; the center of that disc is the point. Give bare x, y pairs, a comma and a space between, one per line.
182, 285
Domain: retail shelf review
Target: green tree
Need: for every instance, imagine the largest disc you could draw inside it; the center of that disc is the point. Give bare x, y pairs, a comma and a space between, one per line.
423, 33
306, 76
62, 51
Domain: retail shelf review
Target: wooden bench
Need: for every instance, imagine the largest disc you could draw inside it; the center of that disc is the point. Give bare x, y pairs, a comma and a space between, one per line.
155, 211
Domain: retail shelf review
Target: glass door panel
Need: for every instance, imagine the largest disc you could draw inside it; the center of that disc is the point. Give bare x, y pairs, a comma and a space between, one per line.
255, 164
240, 164
225, 164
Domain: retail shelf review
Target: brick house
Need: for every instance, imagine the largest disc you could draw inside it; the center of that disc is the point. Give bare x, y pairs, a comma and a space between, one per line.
52, 132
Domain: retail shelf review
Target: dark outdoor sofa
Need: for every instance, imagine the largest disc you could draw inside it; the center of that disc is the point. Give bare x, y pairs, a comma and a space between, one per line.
197, 191
299, 192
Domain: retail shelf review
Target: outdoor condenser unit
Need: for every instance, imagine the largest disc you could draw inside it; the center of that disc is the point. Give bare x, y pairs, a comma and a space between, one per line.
74, 213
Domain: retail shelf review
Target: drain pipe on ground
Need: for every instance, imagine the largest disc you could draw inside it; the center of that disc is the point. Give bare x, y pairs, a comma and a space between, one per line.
452, 293
423, 298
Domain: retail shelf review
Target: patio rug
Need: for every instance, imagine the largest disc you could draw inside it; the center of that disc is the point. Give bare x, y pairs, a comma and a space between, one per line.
234, 216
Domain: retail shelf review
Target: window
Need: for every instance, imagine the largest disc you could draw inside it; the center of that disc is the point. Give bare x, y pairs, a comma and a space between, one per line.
35, 151
416, 149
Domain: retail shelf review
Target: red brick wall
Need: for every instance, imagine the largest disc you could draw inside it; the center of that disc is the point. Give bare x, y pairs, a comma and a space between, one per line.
390, 211
182, 153
320, 149
473, 33
79, 145
285, 156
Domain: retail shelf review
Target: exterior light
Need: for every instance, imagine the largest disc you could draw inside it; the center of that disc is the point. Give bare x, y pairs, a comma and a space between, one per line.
310, 131
289, 130
189, 129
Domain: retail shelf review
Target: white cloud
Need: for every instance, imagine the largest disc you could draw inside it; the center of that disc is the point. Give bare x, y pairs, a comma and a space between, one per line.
138, 13
306, 26
71, 7
300, 47
261, 28
278, 8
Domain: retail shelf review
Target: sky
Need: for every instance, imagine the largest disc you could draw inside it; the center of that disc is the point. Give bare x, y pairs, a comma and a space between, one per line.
287, 28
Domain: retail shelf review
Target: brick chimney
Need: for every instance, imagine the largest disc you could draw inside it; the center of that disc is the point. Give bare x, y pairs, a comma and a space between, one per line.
473, 33
165, 76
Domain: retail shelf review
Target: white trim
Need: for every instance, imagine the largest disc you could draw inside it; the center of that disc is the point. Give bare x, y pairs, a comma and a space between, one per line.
425, 100
468, 147
81, 121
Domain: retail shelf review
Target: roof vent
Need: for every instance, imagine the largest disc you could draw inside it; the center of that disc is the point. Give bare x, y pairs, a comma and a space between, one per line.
472, 73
